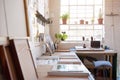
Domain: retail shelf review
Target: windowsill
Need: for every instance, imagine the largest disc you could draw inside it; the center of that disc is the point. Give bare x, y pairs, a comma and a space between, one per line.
71, 42
82, 24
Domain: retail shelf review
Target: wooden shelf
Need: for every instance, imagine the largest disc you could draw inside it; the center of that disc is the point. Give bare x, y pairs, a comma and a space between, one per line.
112, 14
82, 24
42, 18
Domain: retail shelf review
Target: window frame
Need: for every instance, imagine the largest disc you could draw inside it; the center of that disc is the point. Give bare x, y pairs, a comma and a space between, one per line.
78, 25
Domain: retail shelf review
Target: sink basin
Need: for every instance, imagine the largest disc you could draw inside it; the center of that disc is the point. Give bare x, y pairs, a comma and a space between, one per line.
47, 60
69, 61
67, 57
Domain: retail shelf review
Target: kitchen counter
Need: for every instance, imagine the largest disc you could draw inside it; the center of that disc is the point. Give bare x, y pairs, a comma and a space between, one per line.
46, 64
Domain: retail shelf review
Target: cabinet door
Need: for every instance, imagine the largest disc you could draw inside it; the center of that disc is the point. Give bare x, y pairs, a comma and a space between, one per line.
15, 17
23, 59
3, 30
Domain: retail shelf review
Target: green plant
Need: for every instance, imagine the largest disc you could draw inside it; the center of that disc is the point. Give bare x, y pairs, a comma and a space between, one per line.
92, 20
100, 19
65, 16
61, 36
100, 14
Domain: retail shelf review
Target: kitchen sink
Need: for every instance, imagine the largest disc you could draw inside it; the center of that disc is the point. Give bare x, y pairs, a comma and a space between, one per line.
47, 60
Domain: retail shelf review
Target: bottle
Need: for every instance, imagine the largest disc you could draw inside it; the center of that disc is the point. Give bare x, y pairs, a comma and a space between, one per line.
91, 38
84, 46
83, 38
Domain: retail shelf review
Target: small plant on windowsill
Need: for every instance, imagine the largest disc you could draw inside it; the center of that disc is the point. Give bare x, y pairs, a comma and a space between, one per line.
64, 18
100, 19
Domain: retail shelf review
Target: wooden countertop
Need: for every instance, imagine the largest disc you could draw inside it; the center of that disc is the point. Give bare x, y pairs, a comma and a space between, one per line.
43, 70
108, 52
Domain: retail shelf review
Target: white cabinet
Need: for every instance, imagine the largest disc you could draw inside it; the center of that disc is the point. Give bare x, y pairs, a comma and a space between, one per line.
12, 18
3, 30
15, 18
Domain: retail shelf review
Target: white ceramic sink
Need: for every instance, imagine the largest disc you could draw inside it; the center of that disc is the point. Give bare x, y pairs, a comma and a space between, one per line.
47, 60
67, 57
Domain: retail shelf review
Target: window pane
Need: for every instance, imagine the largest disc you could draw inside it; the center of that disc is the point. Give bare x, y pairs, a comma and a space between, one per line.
64, 2
98, 33
73, 9
90, 2
98, 2
98, 27
81, 2
87, 10
64, 9
89, 32
73, 2
97, 8
64, 28
73, 21
89, 27
81, 8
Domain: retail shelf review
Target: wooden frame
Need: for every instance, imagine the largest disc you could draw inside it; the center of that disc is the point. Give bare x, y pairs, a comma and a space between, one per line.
4, 71
23, 60
26, 17
6, 63
109, 55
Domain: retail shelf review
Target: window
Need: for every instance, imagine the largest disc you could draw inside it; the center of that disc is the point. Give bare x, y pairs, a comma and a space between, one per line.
87, 10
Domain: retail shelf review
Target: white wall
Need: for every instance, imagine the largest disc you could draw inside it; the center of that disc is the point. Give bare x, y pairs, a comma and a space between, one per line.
112, 27
54, 11
3, 30
13, 18
112, 23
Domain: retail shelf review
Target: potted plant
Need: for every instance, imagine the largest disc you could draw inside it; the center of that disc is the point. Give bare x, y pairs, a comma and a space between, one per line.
92, 20
100, 19
64, 18
60, 37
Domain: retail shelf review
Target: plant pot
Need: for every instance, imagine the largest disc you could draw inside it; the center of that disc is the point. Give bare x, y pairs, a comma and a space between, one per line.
100, 21
62, 39
64, 21
81, 21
